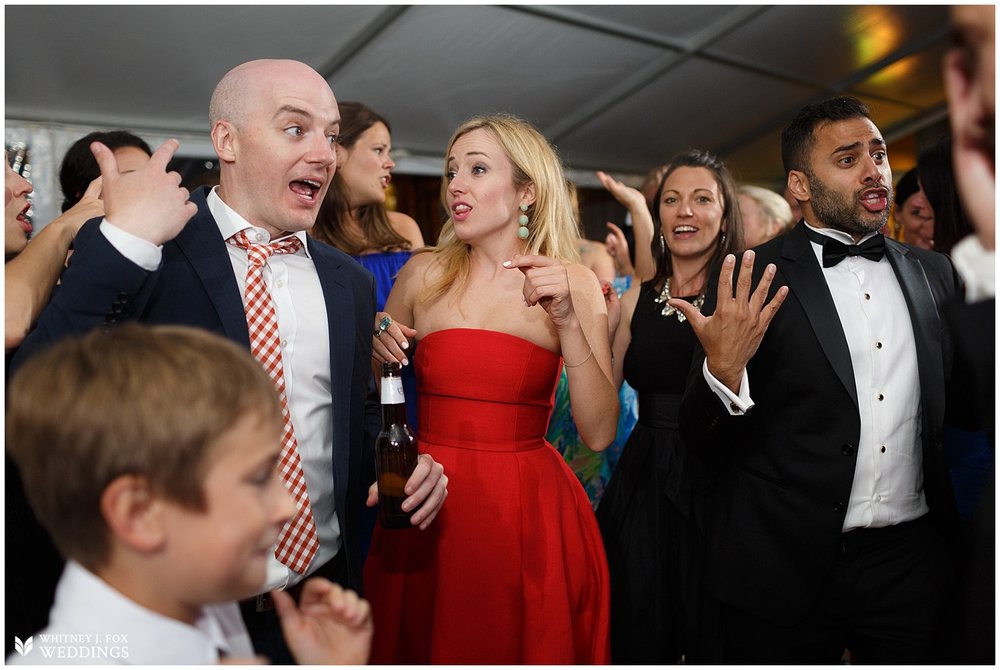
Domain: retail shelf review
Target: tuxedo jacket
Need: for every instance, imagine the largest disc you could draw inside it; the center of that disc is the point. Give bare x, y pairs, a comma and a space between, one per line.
195, 286
785, 469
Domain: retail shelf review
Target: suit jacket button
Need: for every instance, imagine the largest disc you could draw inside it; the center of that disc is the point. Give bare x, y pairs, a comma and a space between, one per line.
847, 449
838, 507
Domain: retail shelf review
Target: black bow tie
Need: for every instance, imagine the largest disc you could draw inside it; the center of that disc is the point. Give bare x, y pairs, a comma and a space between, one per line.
835, 251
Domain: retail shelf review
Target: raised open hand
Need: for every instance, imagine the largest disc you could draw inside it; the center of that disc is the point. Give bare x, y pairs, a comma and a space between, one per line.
731, 336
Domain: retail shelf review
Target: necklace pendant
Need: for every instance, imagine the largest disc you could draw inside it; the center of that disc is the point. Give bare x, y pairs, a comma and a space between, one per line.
669, 310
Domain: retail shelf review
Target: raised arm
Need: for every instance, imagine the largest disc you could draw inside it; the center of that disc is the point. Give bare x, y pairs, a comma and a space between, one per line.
30, 276
623, 336
642, 223
573, 299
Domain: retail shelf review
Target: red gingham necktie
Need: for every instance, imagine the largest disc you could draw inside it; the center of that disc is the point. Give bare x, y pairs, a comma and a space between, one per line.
298, 541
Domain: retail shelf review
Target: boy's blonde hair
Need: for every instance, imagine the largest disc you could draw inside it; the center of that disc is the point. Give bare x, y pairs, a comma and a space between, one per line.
132, 400
553, 230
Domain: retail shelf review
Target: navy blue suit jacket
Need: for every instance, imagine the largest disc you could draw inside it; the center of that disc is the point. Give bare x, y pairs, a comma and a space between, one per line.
195, 286
787, 467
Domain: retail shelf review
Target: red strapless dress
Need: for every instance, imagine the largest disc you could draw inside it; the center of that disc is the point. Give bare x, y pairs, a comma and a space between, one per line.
513, 568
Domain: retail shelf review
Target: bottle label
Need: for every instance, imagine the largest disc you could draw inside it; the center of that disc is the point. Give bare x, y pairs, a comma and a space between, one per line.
392, 391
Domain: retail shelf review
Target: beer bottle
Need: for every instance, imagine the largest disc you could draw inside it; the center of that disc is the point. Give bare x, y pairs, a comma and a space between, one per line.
395, 451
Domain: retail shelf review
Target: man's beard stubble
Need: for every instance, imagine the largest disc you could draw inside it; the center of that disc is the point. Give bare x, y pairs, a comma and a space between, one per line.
835, 211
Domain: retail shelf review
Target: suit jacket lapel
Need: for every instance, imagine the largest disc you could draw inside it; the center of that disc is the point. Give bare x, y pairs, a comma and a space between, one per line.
340, 310
926, 324
808, 285
203, 246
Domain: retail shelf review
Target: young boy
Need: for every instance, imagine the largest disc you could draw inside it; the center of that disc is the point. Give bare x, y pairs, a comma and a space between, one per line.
150, 454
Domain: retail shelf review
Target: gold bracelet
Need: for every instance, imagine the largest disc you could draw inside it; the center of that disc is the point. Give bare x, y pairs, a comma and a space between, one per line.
581, 362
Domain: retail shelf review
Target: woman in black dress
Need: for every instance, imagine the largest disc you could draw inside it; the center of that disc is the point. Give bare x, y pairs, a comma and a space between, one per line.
651, 514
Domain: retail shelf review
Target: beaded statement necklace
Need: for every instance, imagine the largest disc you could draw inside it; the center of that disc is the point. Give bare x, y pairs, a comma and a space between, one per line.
668, 310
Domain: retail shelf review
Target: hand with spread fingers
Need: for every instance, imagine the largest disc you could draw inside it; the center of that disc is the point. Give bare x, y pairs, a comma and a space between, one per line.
731, 336
390, 340
329, 626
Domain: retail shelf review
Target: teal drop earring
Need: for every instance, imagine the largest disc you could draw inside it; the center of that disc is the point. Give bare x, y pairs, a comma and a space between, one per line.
522, 222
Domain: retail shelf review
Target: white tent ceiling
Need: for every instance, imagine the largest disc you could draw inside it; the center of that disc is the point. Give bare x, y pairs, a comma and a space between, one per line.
614, 87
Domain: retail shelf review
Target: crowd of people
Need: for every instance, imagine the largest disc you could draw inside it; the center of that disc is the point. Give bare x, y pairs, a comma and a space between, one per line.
771, 401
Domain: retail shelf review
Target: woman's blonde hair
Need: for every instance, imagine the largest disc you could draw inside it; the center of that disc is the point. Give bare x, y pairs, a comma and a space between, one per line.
552, 228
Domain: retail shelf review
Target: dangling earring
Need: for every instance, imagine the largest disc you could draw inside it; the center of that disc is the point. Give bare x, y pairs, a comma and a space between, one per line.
663, 244
722, 239
522, 222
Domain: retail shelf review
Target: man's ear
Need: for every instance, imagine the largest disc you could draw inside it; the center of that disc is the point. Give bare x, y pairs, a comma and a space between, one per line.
798, 185
133, 513
224, 140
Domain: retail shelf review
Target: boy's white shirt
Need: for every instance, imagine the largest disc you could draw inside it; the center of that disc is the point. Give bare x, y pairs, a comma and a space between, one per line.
109, 628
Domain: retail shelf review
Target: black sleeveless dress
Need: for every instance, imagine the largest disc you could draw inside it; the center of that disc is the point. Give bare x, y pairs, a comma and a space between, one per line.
652, 509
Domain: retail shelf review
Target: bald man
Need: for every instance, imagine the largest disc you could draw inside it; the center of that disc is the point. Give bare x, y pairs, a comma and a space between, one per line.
274, 126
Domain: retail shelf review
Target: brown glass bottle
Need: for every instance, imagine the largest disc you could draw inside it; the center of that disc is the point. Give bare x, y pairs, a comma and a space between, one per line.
395, 451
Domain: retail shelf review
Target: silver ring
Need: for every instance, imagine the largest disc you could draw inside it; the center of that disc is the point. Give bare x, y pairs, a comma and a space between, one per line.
378, 333
384, 324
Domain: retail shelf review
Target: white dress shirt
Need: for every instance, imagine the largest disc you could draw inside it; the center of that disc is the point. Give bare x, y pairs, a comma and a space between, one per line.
977, 267
93, 624
305, 351
888, 474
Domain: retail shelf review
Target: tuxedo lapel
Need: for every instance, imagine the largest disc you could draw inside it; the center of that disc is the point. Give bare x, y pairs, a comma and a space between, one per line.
808, 286
926, 323
201, 243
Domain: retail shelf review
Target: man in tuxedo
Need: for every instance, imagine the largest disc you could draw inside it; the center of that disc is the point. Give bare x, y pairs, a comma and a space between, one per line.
274, 125
825, 418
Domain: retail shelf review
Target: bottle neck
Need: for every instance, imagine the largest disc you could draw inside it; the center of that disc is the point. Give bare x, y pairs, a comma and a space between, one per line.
393, 414
393, 401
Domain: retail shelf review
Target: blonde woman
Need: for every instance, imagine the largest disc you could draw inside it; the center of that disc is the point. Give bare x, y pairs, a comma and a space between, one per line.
513, 570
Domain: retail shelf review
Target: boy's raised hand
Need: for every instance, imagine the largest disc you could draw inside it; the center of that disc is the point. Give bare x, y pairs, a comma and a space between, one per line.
330, 625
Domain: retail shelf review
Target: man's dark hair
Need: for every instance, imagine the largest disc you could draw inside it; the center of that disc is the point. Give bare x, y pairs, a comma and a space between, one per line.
79, 167
797, 137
